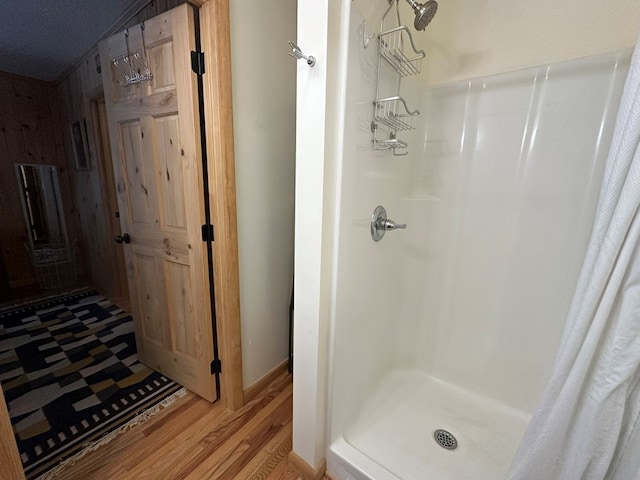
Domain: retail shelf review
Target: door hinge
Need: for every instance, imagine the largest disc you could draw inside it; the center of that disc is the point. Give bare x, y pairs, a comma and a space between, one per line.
197, 62
207, 232
216, 367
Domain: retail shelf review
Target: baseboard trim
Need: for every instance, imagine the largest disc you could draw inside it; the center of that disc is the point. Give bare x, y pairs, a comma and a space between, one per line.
24, 282
306, 471
253, 390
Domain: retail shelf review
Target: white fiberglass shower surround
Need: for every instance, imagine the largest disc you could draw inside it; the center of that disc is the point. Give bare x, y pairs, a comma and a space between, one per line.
454, 323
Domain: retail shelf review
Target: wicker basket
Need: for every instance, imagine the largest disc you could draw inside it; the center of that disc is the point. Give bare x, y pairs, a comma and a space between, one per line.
55, 265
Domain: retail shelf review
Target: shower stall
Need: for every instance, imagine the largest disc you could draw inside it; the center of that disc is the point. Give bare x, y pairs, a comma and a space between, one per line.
443, 334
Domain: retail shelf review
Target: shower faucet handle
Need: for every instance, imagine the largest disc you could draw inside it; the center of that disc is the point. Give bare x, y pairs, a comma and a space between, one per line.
391, 225
380, 224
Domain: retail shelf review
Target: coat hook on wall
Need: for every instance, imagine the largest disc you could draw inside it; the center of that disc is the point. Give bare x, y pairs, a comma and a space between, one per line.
297, 54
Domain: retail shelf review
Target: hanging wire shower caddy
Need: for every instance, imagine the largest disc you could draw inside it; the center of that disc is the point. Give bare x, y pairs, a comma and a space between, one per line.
405, 61
399, 52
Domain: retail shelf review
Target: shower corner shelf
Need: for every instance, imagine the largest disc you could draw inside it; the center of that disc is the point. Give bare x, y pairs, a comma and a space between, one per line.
398, 49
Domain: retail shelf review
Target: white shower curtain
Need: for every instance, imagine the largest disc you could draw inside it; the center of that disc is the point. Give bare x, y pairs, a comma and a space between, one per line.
587, 424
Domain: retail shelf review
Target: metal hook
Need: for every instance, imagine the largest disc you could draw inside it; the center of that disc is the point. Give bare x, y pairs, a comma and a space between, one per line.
297, 54
135, 68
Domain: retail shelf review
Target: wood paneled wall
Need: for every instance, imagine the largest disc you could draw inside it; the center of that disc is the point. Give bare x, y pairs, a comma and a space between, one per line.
76, 92
30, 132
93, 242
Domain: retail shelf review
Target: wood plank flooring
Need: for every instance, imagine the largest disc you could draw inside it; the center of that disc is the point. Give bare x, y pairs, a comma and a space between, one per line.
196, 440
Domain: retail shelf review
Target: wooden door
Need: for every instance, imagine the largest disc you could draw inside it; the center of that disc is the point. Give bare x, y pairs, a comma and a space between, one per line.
155, 143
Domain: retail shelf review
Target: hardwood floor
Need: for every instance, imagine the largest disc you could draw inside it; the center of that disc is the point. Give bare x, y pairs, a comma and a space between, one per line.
196, 440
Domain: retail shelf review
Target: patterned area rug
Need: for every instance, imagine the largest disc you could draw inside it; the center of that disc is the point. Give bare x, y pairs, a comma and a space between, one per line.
71, 375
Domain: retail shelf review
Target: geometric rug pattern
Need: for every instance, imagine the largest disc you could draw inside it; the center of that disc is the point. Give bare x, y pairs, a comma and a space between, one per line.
70, 375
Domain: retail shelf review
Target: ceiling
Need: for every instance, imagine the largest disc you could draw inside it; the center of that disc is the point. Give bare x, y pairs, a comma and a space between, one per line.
44, 38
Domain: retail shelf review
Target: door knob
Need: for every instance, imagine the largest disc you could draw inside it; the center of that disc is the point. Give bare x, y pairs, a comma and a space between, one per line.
123, 238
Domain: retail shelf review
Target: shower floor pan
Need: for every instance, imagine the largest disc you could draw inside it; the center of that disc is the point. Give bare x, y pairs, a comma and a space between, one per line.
396, 428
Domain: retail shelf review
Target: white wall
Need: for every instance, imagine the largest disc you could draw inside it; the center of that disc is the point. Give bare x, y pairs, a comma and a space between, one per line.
470, 39
264, 87
320, 33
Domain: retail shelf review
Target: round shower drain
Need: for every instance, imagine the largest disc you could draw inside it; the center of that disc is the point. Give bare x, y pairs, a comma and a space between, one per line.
445, 439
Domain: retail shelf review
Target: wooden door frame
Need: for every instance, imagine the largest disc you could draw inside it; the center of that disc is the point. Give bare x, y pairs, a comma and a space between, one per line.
10, 462
216, 44
188, 364
109, 200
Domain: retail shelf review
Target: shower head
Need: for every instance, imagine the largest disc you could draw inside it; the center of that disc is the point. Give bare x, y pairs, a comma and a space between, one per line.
424, 13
